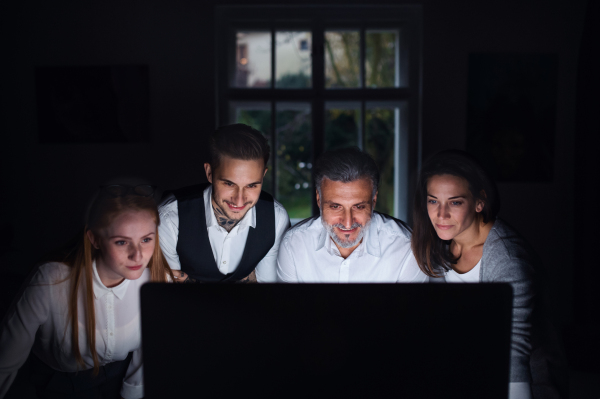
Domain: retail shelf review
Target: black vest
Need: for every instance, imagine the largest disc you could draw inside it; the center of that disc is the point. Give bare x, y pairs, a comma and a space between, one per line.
193, 246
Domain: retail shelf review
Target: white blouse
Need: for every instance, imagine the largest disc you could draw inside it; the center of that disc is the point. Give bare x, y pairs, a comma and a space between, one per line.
40, 321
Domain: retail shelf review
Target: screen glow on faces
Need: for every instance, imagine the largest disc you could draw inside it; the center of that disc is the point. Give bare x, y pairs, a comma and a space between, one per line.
236, 185
346, 210
451, 207
126, 246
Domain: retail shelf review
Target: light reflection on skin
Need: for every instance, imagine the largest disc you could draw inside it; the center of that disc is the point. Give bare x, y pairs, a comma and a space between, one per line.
346, 211
125, 247
236, 185
456, 216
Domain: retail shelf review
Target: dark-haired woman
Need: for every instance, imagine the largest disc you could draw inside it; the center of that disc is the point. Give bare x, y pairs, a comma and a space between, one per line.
80, 317
457, 237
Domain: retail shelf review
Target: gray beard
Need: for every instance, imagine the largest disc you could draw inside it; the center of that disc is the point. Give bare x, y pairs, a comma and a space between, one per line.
341, 242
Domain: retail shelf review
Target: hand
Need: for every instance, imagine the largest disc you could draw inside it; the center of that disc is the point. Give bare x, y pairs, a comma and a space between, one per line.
180, 276
251, 278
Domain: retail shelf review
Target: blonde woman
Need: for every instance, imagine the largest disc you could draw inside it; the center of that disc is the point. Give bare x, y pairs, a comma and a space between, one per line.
81, 316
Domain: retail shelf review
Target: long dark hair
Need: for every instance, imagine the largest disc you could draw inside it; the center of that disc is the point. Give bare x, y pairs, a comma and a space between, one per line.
431, 252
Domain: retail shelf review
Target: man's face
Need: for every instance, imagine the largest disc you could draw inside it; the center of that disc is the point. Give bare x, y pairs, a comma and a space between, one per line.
236, 185
346, 209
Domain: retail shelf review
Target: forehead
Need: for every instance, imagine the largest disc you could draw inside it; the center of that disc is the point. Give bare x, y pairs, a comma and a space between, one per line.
448, 185
131, 224
352, 192
240, 170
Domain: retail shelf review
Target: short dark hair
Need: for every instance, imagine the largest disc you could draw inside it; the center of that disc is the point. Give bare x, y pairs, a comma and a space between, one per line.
346, 165
238, 141
431, 252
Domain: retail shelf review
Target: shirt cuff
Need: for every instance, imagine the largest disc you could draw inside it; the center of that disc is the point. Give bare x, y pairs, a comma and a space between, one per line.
129, 391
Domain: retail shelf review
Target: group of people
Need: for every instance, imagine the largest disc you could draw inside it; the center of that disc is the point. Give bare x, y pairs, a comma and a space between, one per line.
79, 315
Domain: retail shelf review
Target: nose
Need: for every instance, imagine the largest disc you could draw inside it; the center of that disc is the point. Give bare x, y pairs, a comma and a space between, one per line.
238, 197
135, 253
443, 211
347, 218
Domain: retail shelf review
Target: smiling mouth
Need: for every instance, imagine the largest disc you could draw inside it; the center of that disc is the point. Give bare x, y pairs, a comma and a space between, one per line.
347, 231
138, 267
235, 208
444, 226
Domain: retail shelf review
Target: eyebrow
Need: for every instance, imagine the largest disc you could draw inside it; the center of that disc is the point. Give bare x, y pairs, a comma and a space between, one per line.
458, 196
129, 238
335, 203
229, 181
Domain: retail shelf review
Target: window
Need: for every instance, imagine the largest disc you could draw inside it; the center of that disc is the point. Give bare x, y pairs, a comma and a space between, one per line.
318, 78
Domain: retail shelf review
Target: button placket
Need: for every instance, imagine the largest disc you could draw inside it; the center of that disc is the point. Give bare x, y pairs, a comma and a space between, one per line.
345, 271
110, 325
225, 255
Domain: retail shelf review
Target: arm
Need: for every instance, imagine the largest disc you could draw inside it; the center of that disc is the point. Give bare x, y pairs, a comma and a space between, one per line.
133, 383
410, 271
286, 268
18, 333
168, 233
266, 270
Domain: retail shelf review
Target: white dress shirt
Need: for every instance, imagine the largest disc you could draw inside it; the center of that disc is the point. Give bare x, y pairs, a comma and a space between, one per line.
40, 322
227, 247
308, 255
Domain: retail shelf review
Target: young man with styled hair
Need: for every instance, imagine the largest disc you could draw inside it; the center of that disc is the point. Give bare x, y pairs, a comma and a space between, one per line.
349, 242
226, 230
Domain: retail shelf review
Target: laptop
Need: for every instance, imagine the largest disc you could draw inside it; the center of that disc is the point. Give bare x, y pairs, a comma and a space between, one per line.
326, 340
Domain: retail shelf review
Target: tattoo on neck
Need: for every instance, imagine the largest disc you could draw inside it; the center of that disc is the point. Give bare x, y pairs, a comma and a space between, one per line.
223, 220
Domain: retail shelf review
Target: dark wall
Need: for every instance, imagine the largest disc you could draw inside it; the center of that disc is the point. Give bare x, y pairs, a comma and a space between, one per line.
45, 187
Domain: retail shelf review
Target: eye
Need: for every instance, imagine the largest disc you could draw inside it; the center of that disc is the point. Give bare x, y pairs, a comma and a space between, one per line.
228, 184
360, 207
147, 239
432, 201
335, 206
251, 185
121, 242
456, 203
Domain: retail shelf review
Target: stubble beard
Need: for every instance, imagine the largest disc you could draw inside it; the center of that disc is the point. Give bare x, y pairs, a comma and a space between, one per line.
346, 243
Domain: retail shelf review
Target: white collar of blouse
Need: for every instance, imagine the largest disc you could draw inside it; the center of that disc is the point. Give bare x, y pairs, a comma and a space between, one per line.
100, 289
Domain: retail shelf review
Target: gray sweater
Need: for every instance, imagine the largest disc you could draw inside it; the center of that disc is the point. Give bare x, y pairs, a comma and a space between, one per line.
508, 259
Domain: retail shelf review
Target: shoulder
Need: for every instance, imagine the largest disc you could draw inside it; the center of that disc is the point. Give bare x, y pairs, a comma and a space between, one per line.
390, 226
279, 209
50, 274
505, 250
167, 205
309, 227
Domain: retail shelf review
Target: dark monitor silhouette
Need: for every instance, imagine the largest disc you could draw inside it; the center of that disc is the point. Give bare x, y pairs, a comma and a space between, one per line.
326, 340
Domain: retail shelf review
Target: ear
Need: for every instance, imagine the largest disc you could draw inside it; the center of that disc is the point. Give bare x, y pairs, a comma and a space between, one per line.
375, 199
318, 199
208, 171
93, 239
480, 203
264, 174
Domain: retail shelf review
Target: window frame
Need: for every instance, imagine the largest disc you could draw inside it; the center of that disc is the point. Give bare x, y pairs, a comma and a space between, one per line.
407, 19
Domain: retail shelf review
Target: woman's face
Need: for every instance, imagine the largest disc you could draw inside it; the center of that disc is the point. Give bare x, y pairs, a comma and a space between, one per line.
451, 206
125, 247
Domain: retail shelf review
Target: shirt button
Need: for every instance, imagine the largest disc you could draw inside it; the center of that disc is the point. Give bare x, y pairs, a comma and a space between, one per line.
224, 262
111, 334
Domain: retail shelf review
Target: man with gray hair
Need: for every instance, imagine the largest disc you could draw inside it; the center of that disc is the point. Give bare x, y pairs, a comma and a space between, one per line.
349, 242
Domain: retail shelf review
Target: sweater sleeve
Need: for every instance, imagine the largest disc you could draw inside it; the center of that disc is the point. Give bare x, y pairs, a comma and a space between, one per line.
508, 262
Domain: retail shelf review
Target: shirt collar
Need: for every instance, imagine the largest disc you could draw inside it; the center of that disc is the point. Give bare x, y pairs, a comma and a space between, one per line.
100, 289
249, 219
370, 241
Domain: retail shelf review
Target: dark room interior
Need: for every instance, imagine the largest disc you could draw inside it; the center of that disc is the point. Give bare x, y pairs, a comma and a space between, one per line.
173, 53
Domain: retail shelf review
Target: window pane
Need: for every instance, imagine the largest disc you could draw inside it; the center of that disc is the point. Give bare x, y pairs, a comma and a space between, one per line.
342, 125
342, 59
381, 126
258, 116
381, 58
293, 63
294, 157
252, 59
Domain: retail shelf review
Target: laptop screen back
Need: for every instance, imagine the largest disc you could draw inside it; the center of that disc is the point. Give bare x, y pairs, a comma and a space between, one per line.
326, 340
